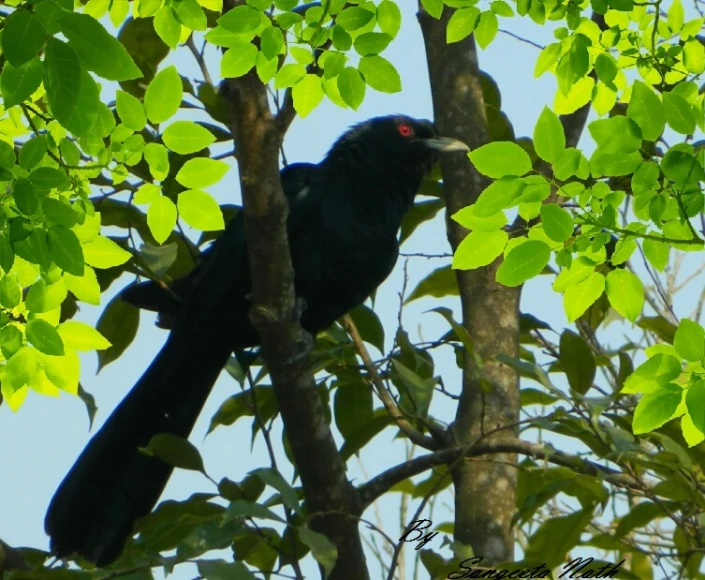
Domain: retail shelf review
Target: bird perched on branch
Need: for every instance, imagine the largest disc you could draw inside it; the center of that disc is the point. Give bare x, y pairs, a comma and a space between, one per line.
344, 217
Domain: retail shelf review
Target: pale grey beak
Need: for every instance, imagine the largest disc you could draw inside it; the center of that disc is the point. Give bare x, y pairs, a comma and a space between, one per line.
446, 144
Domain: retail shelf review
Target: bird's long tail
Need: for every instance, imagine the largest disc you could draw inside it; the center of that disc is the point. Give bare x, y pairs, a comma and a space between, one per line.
112, 484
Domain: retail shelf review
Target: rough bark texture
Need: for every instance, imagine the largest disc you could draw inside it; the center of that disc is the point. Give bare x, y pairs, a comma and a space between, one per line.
331, 500
485, 488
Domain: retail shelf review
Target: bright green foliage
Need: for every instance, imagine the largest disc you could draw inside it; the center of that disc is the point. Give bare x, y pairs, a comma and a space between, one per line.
201, 172
186, 137
523, 262
163, 97
307, 94
549, 138
199, 210
161, 218
501, 159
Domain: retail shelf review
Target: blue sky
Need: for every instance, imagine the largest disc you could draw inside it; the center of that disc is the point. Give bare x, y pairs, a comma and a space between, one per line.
39, 444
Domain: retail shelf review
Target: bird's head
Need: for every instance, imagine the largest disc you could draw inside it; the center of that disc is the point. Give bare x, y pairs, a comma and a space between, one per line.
399, 140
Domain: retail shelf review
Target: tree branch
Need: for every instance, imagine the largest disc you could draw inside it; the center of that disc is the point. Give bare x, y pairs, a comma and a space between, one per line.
332, 501
379, 387
382, 483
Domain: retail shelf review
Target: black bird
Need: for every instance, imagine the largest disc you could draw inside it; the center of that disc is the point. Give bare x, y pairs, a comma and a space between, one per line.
345, 213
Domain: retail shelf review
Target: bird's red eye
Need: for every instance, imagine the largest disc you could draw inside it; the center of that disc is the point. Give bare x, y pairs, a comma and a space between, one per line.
405, 130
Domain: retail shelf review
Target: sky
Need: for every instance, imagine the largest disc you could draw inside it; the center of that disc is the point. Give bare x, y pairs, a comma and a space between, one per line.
39, 444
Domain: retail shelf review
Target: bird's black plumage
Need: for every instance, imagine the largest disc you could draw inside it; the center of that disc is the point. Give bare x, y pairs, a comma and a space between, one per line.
345, 213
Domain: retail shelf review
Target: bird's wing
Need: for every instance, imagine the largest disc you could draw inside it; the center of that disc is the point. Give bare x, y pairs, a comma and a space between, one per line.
298, 183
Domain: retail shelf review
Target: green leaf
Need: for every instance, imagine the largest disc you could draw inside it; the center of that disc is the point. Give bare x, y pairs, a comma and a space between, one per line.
487, 28
523, 262
161, 218
25, 197
433, 7
499, 195
676, 16
656, 372
190, 14
389, 17
201, 172
43, 298
323, 550
647, 110
10, 291
500, 159
606, 68
97, 49
557, 222
46, 178
118, 324
163, 96
102, 252
372, 43
549, 138
71, 92
645, 177
439, 283
58, 212
351, 87
461, 24
167, 27
547, 58
272, 42
23, 36
579, 297
656, 409
616, 134
352, 408
694, 56
578, 362
416, 392
157, 157
131, 111
186, 137
689, 341
33, 151
468, 218
307, 94
380, 74
62, 371
17, 84
614, 164
289, 75
241, 508
85, 288
65, 250
679, 113
353, 18
682, 168
44, 337
7, 255
501, 8
238, 61
479, 249
241, 19
626, 293
21, 367
199, 210
656, 253
369, 326
176, 451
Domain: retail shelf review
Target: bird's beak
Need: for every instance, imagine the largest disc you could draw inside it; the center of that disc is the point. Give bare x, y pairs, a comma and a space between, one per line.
446, 144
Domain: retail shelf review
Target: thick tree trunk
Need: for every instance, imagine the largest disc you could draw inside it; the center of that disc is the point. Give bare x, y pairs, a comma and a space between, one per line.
485, 488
